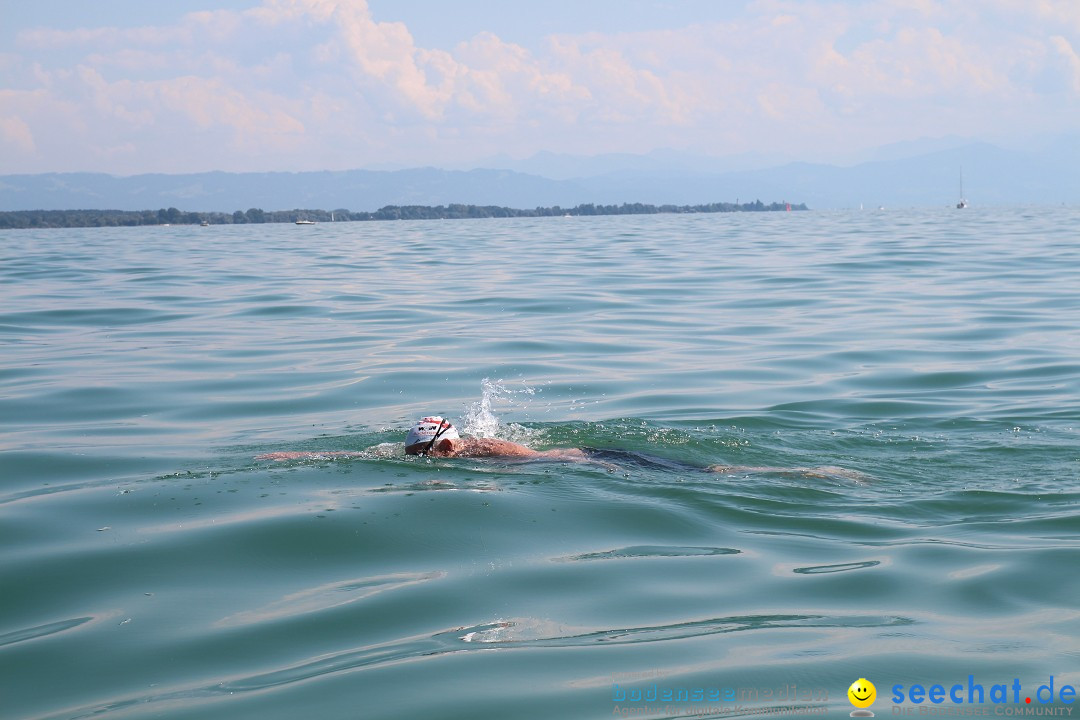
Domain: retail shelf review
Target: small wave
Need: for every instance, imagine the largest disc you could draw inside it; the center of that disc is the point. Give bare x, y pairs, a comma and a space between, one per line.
39, 320
436, 485
42, 630
281, 311
328, 596
500, 634
839, 567
640, 551
531, 633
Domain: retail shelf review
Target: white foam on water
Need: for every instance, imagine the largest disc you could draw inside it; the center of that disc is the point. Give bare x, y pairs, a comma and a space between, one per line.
481, 419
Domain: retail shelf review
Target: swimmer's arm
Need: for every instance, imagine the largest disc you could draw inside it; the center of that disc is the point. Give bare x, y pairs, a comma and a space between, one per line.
292, 455
564, 454
493, 447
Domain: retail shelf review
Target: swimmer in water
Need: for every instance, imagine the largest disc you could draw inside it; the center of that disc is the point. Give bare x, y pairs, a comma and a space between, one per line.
435, 436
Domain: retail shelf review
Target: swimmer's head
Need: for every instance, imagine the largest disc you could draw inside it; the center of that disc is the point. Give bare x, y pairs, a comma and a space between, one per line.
427, 433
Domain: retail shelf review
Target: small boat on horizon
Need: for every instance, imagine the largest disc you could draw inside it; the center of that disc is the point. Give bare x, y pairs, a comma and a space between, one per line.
300, 221
963, 203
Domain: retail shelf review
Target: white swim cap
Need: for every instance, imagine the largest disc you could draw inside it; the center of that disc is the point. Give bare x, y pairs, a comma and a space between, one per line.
428, 428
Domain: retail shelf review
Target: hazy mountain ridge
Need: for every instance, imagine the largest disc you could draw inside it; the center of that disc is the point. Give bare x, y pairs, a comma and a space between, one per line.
992, 176
226, 192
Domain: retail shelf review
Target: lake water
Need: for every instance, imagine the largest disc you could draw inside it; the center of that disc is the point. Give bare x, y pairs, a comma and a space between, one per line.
929, 360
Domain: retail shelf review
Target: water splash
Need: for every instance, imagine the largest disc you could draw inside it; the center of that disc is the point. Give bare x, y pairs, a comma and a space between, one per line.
481, 420
385, 450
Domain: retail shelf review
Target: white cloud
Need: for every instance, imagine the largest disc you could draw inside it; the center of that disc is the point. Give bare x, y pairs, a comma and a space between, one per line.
1070, 60
323, 81
15, 134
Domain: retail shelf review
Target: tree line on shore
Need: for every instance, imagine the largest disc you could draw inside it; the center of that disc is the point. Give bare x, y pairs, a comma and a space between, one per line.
22, 219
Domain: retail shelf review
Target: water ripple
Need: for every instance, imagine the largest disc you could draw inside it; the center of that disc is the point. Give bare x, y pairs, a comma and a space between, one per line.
640, 551
41, 631
839, 567
327, 596
503, 634
923, 362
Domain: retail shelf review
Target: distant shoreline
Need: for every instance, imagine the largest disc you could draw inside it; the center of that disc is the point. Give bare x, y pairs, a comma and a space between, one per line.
43, 219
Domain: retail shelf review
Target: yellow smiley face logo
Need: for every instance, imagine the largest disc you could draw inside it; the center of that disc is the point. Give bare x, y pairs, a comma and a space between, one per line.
862, 693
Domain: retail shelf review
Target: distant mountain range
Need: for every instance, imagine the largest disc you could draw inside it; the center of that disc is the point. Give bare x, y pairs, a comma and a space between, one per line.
926, 173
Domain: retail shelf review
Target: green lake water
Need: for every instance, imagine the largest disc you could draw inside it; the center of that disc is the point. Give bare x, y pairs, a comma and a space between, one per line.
899, 390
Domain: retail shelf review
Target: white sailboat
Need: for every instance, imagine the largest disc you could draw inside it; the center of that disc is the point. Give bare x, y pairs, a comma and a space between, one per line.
963, 203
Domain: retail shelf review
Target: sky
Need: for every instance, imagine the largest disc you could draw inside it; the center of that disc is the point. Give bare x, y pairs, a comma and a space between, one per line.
129, 86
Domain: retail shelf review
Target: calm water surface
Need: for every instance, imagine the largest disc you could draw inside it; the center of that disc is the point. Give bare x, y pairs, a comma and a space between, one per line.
152, 567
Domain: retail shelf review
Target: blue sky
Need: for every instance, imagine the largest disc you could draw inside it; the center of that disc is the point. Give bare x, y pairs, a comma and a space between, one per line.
191, 85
